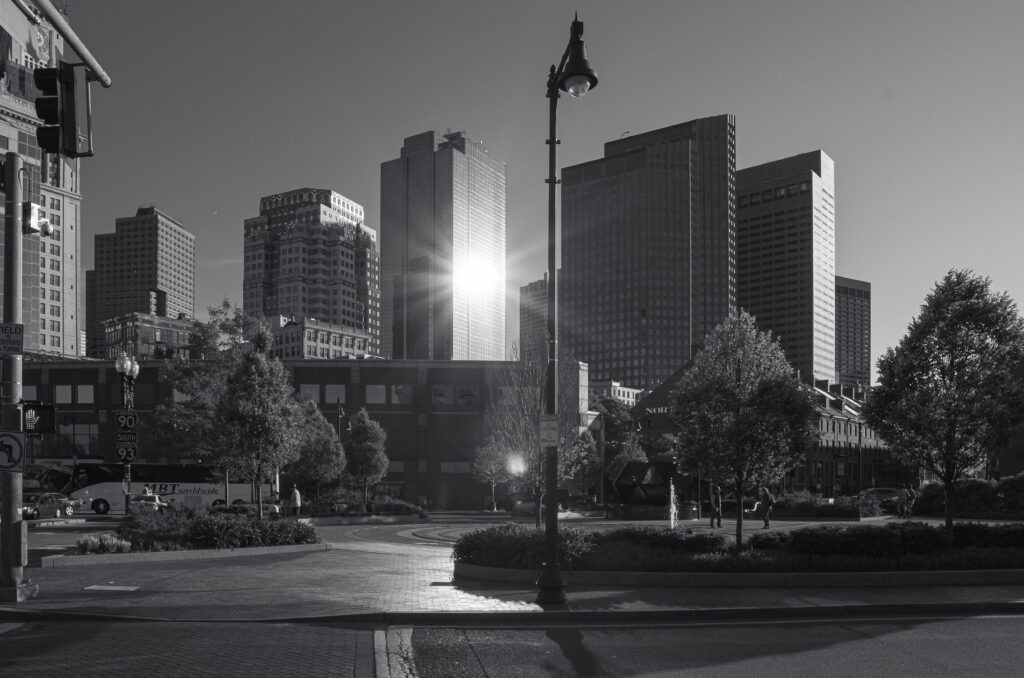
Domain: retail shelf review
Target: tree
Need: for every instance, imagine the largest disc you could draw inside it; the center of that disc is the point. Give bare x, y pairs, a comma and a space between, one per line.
321, 455
517, 399
629, 450
491, 466
367, 460
236, 407
742, 414
581, 465
951, 393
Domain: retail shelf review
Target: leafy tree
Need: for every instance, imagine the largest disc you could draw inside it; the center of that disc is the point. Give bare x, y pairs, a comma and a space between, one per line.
742, 414
630, 450
951, 393
580, 464
491, 466
237, 407
321, 455
367, 460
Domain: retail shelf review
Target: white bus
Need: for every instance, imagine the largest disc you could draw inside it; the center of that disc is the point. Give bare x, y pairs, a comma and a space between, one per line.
102, 487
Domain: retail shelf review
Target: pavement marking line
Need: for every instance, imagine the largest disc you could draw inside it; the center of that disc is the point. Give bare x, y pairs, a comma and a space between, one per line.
4, 628
380, 653
107, 587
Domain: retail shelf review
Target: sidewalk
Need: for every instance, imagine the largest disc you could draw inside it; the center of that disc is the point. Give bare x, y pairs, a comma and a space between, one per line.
399, 584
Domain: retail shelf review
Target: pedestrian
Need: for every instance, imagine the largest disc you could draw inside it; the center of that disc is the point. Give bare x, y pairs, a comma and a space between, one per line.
274, 508
911, 498
716, 505
767, 502
296, 500
146, 491
901, 501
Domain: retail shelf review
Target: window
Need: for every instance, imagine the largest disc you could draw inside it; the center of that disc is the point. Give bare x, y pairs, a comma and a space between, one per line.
454, 467
396, 467
310, 391
334, 393
62, 394
467, 395
441, 395
29, 392
85, 394
401, 394
376, 394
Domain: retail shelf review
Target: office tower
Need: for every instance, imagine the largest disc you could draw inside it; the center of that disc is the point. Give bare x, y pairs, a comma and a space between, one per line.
648, 260
853, 332
533, 328
52, 296
309, 256
147, 265
442, 205
786, 257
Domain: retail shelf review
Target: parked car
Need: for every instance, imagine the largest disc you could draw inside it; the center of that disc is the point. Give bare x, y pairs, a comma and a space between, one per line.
147, 502
885, 496
48, 505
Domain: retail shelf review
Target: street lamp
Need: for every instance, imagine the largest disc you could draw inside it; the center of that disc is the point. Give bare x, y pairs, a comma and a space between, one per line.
575, 76
128, 368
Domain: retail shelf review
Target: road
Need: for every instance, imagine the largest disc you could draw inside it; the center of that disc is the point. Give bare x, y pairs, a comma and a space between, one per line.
933, 648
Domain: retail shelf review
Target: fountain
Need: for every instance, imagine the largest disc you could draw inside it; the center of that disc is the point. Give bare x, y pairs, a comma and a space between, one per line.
673, 509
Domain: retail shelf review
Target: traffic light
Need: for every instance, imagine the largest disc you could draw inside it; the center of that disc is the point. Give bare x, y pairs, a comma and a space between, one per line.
65, 109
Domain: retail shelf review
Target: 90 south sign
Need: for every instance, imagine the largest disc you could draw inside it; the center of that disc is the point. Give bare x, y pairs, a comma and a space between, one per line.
126, 438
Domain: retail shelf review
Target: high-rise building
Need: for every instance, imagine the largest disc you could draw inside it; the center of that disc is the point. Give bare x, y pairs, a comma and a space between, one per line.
853, 332
147, 265
648, 250
52, 296
786, 257
442, 205
533, 319
309, 256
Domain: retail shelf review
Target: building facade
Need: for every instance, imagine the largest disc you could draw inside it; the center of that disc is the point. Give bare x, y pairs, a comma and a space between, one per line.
533, 320
308, 255
853, 332
52, 295
147, 336
432, 411
786, 257
648, 250
147, 266
310, 339
442, 205
608, 388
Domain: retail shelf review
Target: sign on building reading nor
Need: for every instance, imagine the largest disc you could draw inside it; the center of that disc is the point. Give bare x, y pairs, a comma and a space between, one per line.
12, 338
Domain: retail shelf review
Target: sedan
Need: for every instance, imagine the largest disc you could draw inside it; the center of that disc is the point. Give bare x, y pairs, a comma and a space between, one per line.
49, 505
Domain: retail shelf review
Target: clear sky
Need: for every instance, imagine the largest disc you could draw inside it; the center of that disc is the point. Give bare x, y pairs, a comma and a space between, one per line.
919, 102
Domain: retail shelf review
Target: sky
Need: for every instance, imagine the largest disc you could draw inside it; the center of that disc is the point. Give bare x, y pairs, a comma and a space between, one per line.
918, 102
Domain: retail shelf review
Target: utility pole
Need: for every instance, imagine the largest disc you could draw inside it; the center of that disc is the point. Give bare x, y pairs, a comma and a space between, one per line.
14, 529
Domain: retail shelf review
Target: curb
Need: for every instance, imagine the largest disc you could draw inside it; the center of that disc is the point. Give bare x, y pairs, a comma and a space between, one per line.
752, 579
75, 560
558, 617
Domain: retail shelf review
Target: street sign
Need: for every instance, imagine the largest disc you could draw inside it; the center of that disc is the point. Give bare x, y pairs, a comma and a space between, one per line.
126, 453
12, 338
548, 430
123, 437
12, 452
126, 420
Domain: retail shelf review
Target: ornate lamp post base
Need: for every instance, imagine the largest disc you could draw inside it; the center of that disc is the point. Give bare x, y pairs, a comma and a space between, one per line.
550, 586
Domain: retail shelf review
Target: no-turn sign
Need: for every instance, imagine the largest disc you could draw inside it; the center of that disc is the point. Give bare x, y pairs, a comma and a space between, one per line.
12, 452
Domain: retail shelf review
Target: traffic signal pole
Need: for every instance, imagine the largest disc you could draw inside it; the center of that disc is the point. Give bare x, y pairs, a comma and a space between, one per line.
14, 529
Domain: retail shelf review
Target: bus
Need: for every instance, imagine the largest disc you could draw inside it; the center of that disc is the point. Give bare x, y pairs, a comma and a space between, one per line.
102, 487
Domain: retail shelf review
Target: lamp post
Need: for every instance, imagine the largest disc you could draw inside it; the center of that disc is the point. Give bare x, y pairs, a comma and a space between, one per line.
575, 76
128, 368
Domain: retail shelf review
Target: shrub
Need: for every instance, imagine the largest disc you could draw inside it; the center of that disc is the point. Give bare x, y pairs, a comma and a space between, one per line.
518, 546
396, 506
919, 538
975, 495
979, 535
768, 541
829, 540
1011, 494
931, 499
157, 530
106, 543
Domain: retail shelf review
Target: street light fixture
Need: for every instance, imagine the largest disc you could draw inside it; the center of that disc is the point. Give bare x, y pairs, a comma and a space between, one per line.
575, 76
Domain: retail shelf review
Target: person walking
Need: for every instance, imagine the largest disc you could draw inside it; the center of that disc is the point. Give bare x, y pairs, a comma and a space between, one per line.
296, 500
767, 502
716, 505
901, 501
911, 498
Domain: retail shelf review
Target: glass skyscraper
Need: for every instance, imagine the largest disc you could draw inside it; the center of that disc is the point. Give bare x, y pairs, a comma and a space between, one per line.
648, 250
442, 206
786, 257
